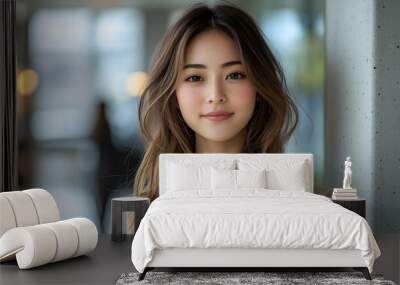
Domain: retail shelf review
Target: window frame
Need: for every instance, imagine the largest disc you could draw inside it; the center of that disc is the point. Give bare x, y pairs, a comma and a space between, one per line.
8, 136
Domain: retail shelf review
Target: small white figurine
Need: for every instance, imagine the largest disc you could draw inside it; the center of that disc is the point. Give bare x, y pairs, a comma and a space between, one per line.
347, 174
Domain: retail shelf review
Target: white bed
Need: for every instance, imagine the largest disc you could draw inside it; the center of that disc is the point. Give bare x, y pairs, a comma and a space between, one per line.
201, 220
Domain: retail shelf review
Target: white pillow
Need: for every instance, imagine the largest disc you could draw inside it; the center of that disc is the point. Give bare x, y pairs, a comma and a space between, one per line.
281, 174
290, 180
188, 176
251, 178
223, 179
236, 179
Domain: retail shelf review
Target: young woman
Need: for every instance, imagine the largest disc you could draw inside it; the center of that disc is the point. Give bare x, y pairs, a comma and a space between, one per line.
214, 86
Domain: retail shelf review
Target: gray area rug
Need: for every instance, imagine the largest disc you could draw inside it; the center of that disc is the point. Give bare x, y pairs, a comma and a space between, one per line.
225, 278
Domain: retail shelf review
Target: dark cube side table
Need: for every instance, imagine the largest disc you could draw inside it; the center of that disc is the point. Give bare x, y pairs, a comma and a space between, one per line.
139, 205
356, 205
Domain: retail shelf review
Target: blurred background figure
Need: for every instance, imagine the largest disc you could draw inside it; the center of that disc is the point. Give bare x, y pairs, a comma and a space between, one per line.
106, 154
109, 166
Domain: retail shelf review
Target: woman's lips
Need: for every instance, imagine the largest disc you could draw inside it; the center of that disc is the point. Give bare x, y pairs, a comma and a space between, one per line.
217, 116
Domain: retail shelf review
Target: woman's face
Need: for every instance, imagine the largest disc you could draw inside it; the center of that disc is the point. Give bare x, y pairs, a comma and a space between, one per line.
215, 96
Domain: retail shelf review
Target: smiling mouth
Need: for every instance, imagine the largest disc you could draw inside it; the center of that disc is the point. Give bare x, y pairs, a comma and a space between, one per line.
217, 116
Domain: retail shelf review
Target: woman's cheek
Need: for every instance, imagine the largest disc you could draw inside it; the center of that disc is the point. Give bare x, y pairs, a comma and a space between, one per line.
245, 96
189, 101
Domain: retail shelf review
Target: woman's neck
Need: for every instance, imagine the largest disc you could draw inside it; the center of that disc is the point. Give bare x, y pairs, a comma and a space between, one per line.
234, 145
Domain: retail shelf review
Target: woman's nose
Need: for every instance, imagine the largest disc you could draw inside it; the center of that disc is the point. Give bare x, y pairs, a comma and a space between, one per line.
216, 93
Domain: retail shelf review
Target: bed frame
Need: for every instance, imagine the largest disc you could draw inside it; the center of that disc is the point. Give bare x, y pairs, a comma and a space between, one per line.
236, 259
248, 259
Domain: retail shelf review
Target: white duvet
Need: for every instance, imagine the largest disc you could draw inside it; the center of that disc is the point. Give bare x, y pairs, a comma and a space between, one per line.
251, 218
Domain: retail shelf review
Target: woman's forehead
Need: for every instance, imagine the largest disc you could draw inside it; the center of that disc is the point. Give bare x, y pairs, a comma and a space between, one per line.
211, 48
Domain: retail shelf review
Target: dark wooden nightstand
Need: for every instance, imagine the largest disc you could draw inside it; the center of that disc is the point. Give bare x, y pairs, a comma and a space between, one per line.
357, 206
119, 205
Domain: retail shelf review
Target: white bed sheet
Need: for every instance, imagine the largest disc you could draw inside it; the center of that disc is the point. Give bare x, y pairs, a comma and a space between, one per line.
250, 218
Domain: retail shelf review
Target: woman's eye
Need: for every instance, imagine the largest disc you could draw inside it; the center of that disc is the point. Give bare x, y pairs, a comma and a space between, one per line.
193, 78
236, 75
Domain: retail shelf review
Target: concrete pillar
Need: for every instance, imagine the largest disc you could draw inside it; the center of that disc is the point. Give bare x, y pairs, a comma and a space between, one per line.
362, 104
387, 116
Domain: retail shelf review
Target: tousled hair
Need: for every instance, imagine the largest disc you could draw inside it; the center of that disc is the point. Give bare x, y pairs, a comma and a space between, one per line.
275, 115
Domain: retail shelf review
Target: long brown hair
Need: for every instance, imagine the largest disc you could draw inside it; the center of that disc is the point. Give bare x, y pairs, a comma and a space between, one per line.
275, 115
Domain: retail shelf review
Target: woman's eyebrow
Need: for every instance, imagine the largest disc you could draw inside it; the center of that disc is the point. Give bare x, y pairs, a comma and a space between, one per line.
226, 64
